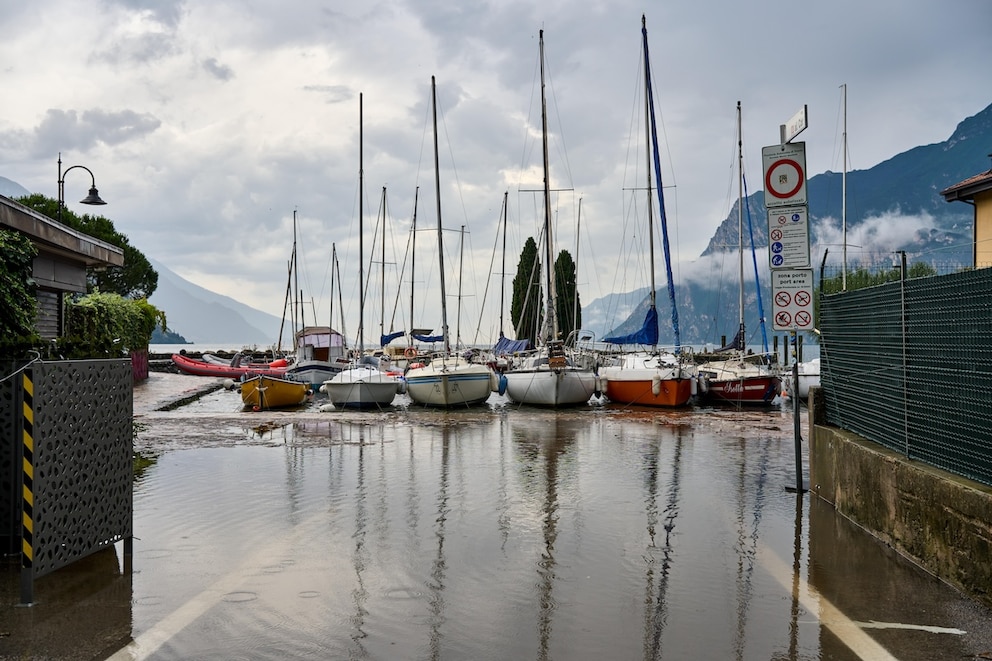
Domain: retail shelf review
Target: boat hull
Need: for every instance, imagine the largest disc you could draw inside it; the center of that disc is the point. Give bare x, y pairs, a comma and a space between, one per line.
203, 368
739, 383
361, 387
263, 392
449, 383
548, 387
646, 389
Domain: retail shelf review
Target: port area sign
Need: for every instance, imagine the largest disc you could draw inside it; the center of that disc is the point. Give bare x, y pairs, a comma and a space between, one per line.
792, 299
788, 237
785, 174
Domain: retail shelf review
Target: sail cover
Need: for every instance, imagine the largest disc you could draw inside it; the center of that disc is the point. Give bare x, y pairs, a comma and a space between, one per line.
506, 345
647, 334
386, 339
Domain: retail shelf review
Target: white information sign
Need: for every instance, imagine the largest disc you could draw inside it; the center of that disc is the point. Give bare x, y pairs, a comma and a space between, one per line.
792, 299
785, 174
788, 237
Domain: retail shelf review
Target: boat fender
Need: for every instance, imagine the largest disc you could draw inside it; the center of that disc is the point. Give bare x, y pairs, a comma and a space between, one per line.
502, 384
230, 384
656, 385
598, 385
401, 387
323, 387
326, 408
693, 387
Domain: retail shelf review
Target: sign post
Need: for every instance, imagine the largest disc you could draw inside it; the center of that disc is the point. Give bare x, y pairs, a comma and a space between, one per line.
784, 167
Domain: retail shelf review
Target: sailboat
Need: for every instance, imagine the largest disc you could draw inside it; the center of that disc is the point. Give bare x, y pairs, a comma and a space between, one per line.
651, 377
738, 379
363, 384
321, 351
549, 376
448, 379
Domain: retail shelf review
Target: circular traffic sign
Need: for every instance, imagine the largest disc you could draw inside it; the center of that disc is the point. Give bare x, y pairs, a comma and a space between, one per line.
802, 298
779, 187
776, 235
783, 298
783, 318
803, 318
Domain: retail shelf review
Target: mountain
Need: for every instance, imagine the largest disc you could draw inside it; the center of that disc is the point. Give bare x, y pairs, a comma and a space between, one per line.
204, 317
12, 189
893, 206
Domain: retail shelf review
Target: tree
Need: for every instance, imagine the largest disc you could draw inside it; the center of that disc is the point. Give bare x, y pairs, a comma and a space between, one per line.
135, 280
568, 307
526, 306
18, 304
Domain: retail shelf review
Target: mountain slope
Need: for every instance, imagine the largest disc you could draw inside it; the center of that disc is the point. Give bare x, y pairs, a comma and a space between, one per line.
204, 317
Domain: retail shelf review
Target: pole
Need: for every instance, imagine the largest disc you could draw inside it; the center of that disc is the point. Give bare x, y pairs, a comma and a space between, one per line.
799, 488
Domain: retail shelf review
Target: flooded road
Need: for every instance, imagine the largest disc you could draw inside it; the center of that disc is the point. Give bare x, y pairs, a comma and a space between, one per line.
492, 533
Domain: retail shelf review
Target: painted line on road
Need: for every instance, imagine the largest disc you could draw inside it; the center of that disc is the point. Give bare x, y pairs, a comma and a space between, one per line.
150, 641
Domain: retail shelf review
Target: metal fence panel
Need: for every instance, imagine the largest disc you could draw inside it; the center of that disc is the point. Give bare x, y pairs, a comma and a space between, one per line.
83, 459
909, 366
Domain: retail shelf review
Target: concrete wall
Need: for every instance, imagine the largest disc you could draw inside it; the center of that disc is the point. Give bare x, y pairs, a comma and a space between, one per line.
940, 521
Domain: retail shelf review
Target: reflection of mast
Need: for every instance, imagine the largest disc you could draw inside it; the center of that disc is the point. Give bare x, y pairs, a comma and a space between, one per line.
546, 568
360, 557
657, 618
436, 584
747, 544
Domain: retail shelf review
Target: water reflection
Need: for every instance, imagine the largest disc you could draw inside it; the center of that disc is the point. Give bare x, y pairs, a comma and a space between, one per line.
659, 569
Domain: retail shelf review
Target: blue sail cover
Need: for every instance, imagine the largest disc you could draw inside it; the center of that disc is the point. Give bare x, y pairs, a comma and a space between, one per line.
427, 338
386, 339
506, 345
648, 333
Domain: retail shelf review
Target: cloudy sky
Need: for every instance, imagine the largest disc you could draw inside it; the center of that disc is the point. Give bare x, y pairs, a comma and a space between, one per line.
207, 124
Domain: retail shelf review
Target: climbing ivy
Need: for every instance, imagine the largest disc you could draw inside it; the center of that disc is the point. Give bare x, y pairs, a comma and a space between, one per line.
18, 305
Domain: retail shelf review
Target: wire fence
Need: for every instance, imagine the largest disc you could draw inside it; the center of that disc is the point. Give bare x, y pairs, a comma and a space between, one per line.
908, 364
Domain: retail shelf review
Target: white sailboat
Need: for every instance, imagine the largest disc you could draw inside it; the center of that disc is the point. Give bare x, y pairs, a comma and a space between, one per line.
739, 379
363, 384
448, 379
550, 375
650, 377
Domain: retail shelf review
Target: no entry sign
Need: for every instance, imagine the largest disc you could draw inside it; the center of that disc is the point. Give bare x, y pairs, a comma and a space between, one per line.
784, 167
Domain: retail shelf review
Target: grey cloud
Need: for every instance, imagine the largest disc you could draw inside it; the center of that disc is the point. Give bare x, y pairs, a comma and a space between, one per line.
218, 70
142, 49
62, 130
332, 93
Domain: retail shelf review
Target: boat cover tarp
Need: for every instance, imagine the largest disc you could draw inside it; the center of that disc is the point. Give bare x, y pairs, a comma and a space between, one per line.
506, 345
736, 344
386, 339
427, 338
647, 334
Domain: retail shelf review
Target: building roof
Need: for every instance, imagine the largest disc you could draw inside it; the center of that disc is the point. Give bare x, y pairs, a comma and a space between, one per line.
969, 188
57, 238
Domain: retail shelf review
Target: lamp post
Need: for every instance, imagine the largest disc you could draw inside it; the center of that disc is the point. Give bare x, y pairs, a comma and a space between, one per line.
92, 198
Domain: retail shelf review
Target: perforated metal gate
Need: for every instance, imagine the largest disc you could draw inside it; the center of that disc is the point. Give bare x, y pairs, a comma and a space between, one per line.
909, 366
69, 462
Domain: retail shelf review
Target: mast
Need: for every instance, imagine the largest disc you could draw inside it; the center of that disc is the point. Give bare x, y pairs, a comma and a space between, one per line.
382, 319
361, 232
740, 225
440, 240
337, 270
550, 323
458, 315
575, 291
647, 155
502, 285
661, 197
413, 256
296, 282
843, 188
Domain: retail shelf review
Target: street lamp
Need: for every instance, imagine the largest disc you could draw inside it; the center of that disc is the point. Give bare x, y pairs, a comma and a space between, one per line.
92, 198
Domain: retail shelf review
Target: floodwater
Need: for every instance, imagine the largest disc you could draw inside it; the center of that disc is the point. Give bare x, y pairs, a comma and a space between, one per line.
497, 532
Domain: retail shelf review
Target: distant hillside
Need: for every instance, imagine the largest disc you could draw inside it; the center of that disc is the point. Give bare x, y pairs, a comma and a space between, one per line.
204, 317
893, 206
12, 189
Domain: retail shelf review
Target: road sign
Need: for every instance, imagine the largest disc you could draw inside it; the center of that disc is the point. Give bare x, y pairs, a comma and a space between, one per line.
788, 237
785, 174
792, 299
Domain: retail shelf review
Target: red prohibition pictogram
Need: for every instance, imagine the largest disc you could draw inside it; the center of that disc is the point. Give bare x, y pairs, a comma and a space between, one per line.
782, 220
782, 195
782, 298
783, 318
802, 298
803, 318
776, 235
